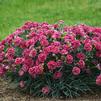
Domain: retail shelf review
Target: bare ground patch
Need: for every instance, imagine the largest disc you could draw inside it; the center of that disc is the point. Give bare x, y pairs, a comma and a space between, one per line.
9, 94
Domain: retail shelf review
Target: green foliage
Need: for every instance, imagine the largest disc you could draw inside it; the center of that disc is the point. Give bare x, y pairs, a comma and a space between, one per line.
67, 86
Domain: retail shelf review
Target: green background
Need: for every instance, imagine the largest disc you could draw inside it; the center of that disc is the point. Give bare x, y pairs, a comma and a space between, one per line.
13, 13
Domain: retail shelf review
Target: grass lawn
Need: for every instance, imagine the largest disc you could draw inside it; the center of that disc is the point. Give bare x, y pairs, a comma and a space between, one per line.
13, 13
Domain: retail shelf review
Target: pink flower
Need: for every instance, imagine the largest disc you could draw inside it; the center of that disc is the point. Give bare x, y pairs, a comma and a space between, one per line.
42, 57
25, 68
61, 21
47, 49
19, 61
56, 43
69, 59
57, 75
63, 51
55, 26
31, 72
30, 42
22, 84
65, 46
37, 62
98, 46
10, 53
55, 49
36, 70
21, 72
59, 63
18, 41
28, 61
18, 32
86, 41
44, 42
26, 52
76, 70
56, 35
3, 42
45, 90
88, 47
68, 38
2, 55
32, 53
81, 64
2, 72
1, 48
9, 39
6, 67
32, 34
52, 65
80, 56
98, 66
98, 80
23, 45
76, 44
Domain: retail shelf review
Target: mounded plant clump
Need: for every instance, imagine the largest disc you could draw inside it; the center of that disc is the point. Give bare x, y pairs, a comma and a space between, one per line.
53, 59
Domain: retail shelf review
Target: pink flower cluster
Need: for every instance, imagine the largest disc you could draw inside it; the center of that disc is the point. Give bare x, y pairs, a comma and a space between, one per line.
38, 48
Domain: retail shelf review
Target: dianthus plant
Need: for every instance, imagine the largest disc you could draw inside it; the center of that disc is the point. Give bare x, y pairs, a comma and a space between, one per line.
53, 59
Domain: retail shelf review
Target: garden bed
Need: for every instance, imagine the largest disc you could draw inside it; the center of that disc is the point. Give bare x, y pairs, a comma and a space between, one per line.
53, 60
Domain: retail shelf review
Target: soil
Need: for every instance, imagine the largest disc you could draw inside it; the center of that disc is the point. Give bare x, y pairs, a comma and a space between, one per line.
8, 93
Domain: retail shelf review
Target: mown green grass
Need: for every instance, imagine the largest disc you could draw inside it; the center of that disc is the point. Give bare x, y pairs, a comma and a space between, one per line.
13, 13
